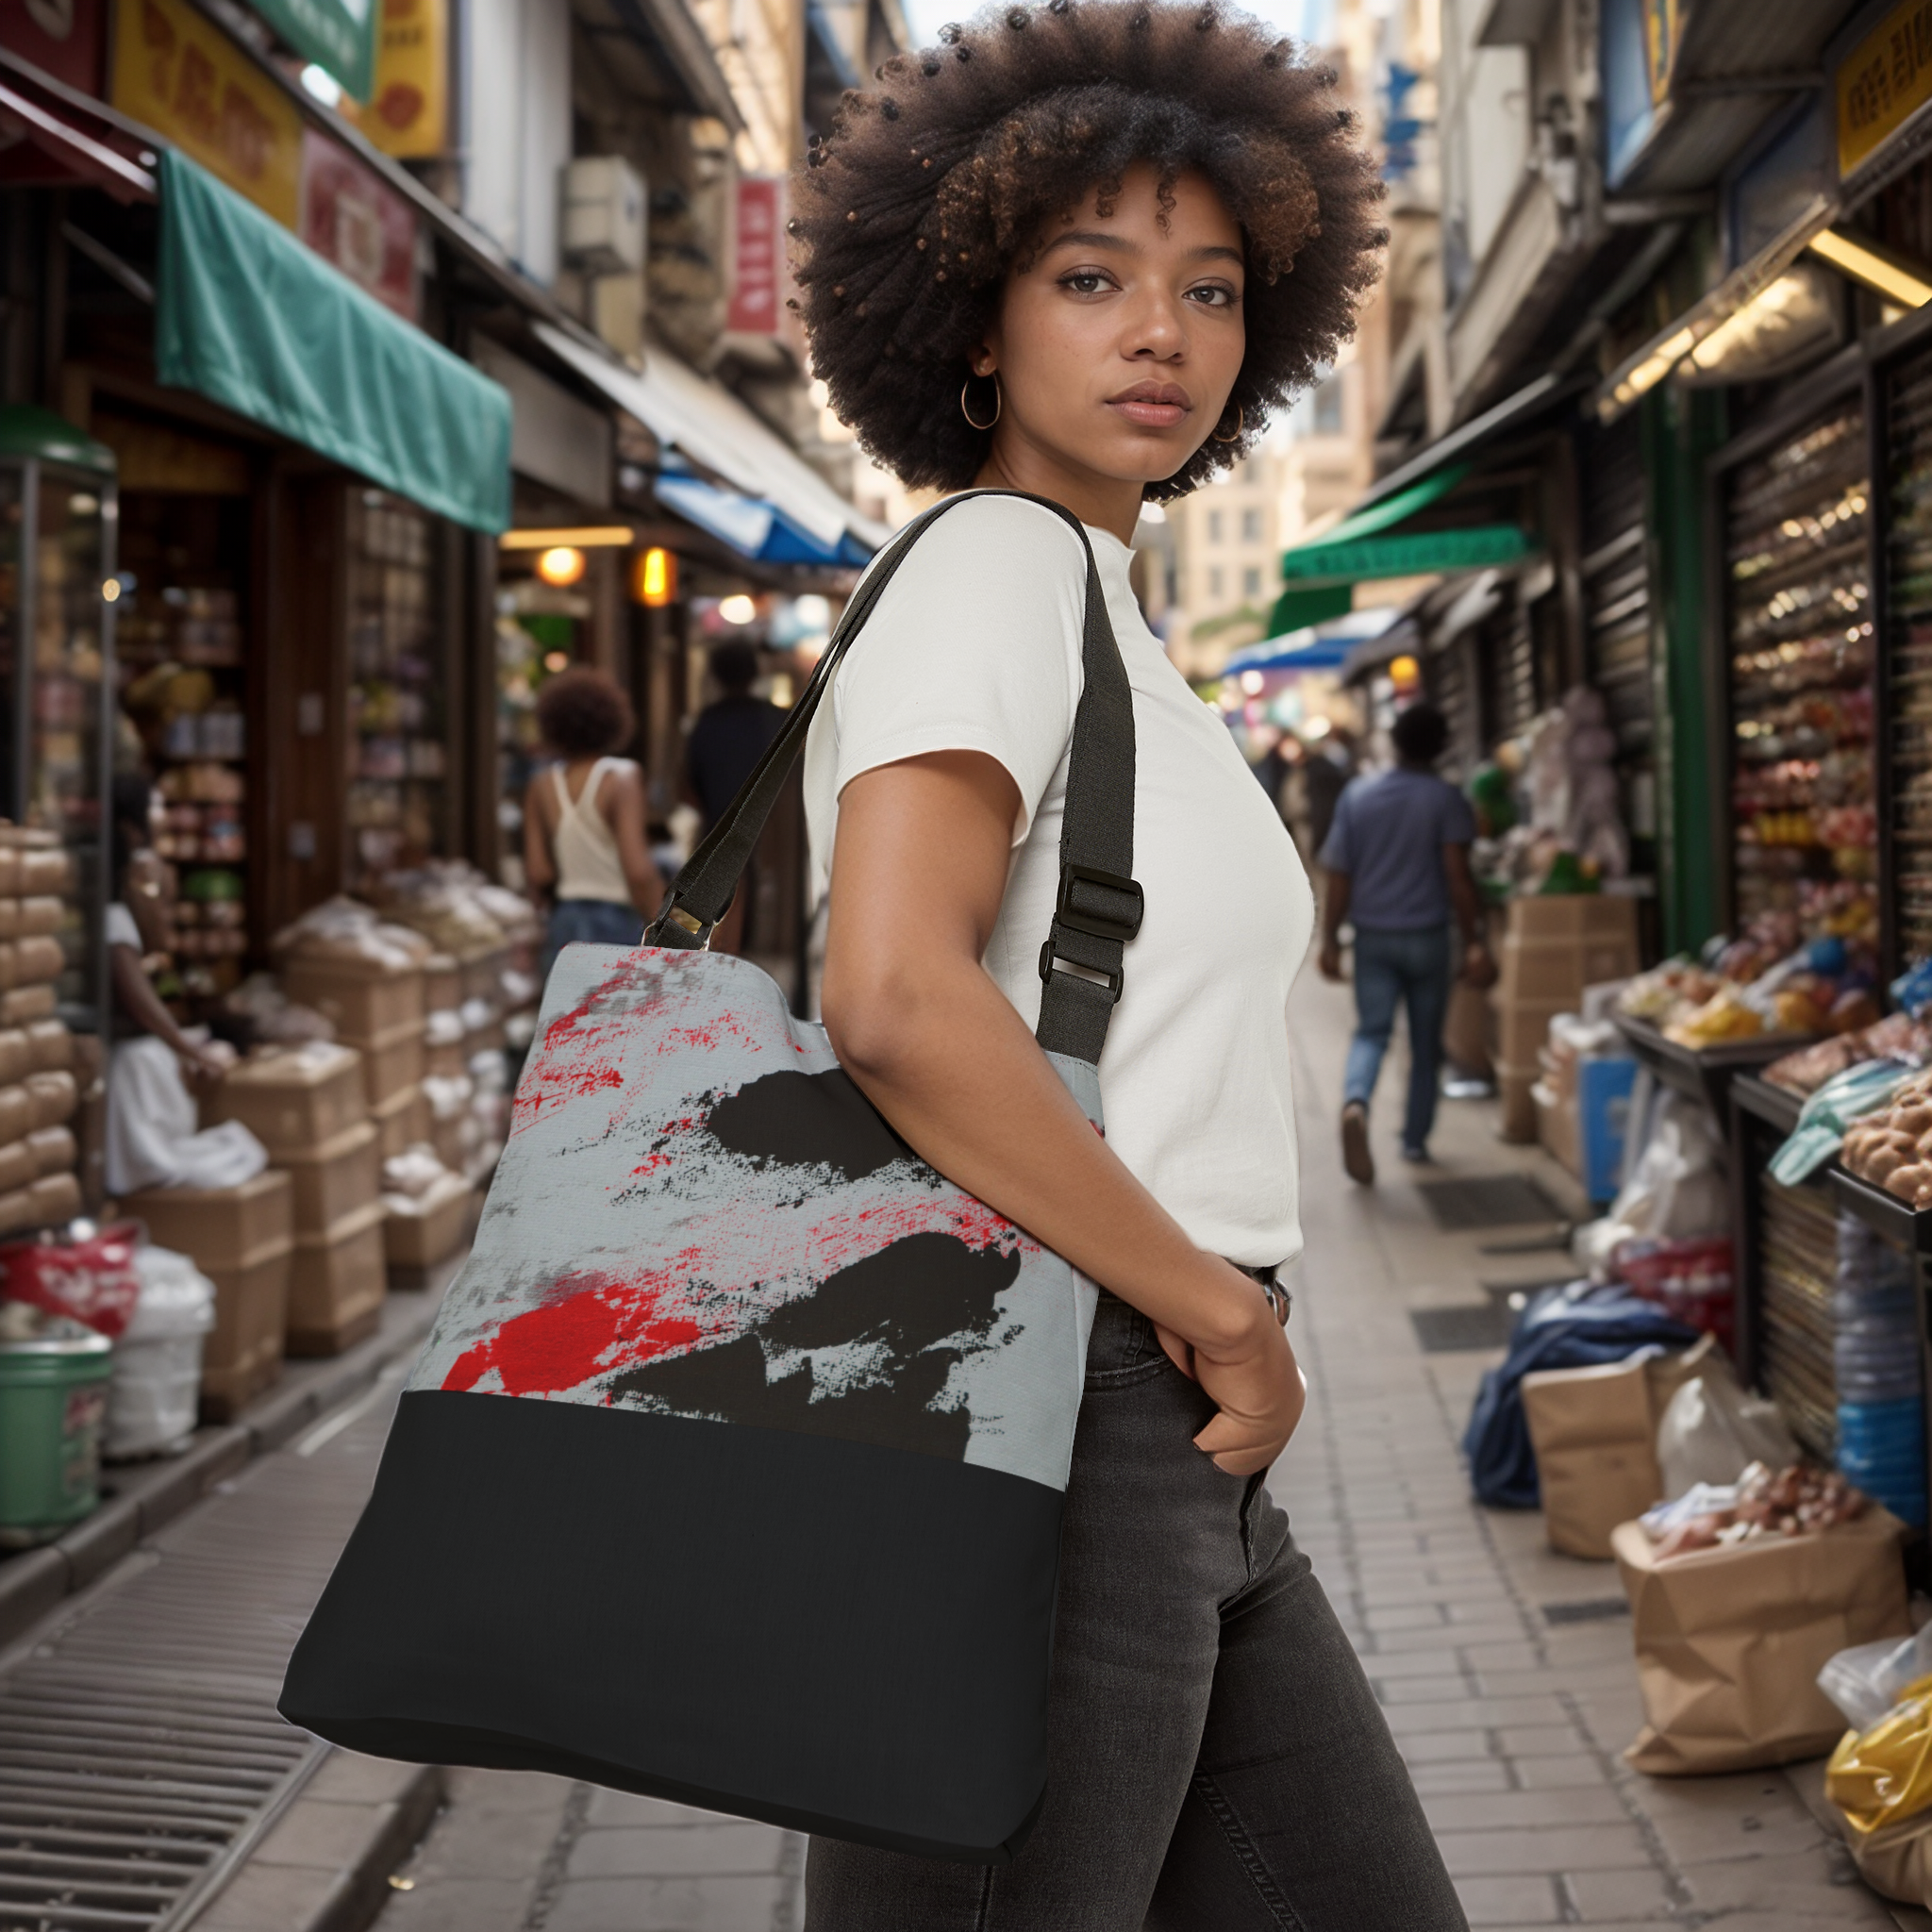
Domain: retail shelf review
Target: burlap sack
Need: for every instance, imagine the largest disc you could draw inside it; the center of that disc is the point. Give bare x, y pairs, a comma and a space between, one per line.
1729, 1641
1594, 1432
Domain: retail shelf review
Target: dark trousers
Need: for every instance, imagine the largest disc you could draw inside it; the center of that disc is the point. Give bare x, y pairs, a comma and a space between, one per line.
1392, 969
1218, 1760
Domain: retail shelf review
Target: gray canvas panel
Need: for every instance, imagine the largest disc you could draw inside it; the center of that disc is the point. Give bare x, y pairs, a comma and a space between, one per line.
698, 1214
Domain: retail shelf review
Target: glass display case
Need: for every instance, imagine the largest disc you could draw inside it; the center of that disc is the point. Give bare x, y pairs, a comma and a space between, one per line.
58, 591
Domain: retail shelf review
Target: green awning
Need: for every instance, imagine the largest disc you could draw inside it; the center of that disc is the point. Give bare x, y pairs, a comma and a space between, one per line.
1386, 514
250, 317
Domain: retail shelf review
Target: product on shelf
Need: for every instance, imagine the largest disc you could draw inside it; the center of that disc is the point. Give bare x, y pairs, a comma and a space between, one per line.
1892, 1149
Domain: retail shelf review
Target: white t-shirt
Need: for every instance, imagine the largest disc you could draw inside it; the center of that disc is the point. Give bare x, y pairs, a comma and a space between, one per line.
975, 646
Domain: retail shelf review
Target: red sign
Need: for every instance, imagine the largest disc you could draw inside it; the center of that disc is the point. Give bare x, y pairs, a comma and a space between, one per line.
757, 257
62, 38
351, 217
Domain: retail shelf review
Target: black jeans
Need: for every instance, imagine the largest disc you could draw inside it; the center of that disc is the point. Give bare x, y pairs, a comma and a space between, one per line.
1218, 1760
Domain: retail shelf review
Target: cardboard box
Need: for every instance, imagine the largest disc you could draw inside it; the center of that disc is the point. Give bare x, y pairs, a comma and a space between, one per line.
49, 1046
219, 1227
1729, 1641
24, 1003
243, 1355
391, 1060
1573, 916
361, 999
1534, 970
483, 977
340, 1177
337, 1283
1523, 1029
1514, 1089
293, 1099
447, 1059
432, 1227
401, 1121
443, 984
1556, 1130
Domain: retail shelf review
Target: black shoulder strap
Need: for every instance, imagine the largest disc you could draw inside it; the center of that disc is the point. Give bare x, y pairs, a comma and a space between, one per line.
1099, 904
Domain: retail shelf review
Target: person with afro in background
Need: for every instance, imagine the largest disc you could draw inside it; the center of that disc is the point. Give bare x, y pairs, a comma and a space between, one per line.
586, 849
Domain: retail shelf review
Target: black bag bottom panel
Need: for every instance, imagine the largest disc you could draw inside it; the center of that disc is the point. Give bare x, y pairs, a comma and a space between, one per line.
823, 1635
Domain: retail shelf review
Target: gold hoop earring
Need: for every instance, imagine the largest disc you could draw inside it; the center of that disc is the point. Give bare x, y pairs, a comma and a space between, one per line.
1241, 417
998, 403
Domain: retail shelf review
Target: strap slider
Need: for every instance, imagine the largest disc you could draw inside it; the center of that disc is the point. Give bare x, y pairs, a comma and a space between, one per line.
1052, 962
1101, 904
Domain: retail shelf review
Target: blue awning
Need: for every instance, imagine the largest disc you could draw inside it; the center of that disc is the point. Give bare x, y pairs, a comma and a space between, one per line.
752, 526
1319, 647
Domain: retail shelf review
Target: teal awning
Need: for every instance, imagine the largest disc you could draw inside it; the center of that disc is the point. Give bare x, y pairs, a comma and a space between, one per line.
255, 321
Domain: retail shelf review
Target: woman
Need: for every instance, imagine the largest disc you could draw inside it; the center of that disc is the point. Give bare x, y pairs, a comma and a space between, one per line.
585, 843
1082, 251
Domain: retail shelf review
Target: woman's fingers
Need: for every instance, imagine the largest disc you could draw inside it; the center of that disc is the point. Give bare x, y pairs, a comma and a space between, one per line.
1179, 1353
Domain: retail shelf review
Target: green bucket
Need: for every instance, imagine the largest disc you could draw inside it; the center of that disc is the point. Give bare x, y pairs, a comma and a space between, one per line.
53, 1398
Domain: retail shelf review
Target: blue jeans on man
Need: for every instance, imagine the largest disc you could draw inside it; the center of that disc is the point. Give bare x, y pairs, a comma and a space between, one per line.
1415, 969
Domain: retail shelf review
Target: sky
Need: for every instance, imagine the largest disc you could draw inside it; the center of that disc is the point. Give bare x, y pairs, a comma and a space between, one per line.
1301, 20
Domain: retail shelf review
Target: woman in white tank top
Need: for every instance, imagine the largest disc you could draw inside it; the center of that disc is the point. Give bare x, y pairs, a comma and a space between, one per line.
585, 844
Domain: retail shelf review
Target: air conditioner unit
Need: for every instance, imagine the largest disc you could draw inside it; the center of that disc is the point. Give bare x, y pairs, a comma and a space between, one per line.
604, 215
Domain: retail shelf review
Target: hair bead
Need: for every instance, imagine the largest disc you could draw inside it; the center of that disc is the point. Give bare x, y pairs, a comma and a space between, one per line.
1058, 5
919, 244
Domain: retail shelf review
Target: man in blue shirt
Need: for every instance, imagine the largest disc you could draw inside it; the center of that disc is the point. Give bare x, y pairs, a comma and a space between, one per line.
1397, 860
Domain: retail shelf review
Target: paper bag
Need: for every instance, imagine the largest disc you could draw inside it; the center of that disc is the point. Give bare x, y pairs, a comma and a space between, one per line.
1594, 1432
1730, 1641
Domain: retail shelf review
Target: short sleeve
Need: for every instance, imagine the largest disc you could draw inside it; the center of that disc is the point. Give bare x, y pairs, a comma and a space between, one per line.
1458, 817
975, 645
118, 929
1338, 850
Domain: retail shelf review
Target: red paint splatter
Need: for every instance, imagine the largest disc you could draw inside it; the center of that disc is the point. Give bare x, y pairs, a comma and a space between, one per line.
592, 1325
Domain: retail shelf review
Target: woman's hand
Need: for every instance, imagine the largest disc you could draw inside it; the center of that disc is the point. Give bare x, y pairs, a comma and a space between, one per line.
1255, 1382
201, 1067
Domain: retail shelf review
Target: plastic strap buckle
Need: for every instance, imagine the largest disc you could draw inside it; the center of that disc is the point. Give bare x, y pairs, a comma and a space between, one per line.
1101, 904
1077, 969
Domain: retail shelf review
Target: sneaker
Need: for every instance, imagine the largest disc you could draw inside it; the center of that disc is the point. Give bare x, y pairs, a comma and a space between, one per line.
1416, 1156
1355, 1156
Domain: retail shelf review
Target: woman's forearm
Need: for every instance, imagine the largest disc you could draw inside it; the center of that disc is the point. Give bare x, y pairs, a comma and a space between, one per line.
951, 1065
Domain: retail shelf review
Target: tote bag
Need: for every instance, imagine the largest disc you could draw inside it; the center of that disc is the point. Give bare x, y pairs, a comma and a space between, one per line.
731, 1472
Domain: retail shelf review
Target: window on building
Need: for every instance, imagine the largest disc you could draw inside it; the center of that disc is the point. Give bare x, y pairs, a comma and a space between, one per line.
1217, 582
1251, 583
1214, 526
1251, 527
1328, 406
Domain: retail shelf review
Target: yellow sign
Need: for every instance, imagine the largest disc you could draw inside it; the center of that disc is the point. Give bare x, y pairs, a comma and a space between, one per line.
1660, 33
408, 114
1885, 79
176, 71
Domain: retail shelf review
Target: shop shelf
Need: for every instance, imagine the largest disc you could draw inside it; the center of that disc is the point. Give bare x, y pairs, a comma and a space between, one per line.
1777, 1105
1885, 1212
1703, 1072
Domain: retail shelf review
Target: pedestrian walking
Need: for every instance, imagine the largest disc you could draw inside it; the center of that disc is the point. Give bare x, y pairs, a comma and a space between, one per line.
585, 844
1397, 860
727, 739
1052, 256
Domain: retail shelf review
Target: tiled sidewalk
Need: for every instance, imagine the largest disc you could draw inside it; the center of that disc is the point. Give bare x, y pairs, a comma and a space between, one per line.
1505, 1670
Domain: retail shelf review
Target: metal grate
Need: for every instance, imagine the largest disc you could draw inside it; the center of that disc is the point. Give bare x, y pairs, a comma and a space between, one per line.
1496, 1200
141, 1756
1475, 1325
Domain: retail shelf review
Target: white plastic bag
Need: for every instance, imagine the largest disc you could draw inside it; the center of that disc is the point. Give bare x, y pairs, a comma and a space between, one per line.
157, 1385
1713, 1432
1868, 1679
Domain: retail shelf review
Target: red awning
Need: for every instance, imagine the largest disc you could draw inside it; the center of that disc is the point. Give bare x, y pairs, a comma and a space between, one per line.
39, 146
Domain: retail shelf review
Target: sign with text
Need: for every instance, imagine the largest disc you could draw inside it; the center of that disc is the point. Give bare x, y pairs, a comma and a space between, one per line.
757, 257
353, 218
1883, 82
176, 71
64, 38
408, 114
338, 35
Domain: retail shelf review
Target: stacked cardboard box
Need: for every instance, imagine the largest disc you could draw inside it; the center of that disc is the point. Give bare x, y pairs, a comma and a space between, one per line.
310, 1107
243, 1239
1552, 947
38, 1090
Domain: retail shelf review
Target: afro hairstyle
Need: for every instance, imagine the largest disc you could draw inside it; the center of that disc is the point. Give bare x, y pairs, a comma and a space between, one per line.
931, 187
583, 713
